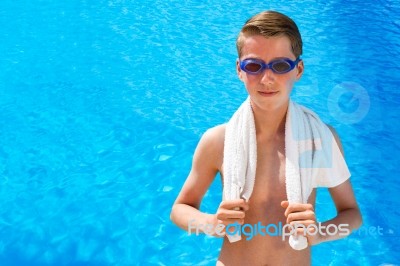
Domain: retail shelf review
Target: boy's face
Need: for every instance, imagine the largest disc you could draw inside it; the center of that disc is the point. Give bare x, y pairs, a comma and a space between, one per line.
269, 90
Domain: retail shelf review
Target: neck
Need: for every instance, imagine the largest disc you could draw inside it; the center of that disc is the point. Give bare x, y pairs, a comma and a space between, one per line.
270, 123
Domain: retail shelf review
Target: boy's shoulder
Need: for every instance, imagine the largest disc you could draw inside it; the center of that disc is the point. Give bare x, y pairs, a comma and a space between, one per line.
214, 138
216, 132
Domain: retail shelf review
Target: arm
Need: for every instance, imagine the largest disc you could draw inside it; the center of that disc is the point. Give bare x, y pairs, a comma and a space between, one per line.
346, 206
347, 212
207, 161
345, 202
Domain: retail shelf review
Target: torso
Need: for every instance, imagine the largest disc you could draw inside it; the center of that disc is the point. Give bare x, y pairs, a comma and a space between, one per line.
265, 207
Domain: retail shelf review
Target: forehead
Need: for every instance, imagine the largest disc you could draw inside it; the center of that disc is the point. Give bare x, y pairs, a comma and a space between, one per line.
267, 48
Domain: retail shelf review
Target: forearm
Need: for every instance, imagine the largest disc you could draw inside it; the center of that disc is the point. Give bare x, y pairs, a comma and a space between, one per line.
343, 224
188, 217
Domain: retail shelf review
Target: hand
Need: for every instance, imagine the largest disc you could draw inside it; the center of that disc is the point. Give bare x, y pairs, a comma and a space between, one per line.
231, 211
298, 213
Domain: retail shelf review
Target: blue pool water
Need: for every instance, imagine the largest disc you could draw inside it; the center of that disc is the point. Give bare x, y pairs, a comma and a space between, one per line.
103, 102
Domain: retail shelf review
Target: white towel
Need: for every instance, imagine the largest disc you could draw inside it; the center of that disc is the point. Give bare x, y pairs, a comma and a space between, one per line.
313, 158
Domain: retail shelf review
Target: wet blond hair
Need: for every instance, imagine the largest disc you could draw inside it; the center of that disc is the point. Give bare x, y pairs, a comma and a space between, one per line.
271, 24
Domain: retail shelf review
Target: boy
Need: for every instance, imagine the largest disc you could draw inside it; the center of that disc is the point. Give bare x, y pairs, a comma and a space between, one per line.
269, 48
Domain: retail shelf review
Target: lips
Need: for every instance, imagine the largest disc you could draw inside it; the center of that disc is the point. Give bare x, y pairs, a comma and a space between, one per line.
268, 93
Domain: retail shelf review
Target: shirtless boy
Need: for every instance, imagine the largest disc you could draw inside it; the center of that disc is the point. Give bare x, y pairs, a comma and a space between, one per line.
266, 37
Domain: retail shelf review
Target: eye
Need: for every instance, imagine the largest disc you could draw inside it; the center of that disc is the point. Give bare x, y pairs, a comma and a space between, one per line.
281, 66
252, 67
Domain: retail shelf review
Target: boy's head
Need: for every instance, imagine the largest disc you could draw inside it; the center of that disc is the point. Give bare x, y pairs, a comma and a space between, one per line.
271, 24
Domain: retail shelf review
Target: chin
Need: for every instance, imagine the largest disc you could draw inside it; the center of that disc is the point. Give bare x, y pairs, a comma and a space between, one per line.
270, 104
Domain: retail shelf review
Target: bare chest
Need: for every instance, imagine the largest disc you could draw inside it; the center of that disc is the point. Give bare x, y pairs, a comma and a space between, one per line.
269, 187
270, 174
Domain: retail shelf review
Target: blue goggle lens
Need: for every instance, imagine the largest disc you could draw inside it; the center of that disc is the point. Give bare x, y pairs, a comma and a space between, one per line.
279, 66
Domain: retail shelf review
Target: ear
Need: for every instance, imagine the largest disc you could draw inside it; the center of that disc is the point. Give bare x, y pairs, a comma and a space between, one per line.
300, 69
238, 70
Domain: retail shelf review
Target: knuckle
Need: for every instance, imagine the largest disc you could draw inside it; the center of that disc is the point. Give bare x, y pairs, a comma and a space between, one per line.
220, 215
225, 223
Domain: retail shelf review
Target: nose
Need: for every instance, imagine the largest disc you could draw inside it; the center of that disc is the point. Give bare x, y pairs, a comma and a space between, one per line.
267, 76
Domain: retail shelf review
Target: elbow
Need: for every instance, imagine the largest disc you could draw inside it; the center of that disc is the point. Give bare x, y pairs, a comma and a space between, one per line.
352, 218
359, 219
172, 214
176, 213
356, 221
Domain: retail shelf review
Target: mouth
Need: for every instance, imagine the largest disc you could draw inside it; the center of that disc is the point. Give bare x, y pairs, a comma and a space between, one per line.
268, 93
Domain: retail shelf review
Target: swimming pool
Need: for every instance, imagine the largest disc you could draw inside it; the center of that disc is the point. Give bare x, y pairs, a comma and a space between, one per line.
102, 104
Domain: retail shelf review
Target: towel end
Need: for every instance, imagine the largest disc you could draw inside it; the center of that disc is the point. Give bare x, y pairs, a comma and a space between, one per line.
298, 242
234, 238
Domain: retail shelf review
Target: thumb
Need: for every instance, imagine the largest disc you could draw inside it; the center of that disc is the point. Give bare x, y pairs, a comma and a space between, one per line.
284, 204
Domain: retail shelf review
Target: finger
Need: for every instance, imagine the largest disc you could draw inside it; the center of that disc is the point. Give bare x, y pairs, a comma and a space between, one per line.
231, 221
230, 214
229, 204
242, 207
295, 207
302, 229
284, 203
245, 206
298, 207
232, 204
302, 224
309, 231
300, 216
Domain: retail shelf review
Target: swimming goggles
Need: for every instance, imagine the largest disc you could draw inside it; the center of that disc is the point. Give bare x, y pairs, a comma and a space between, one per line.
279, 66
